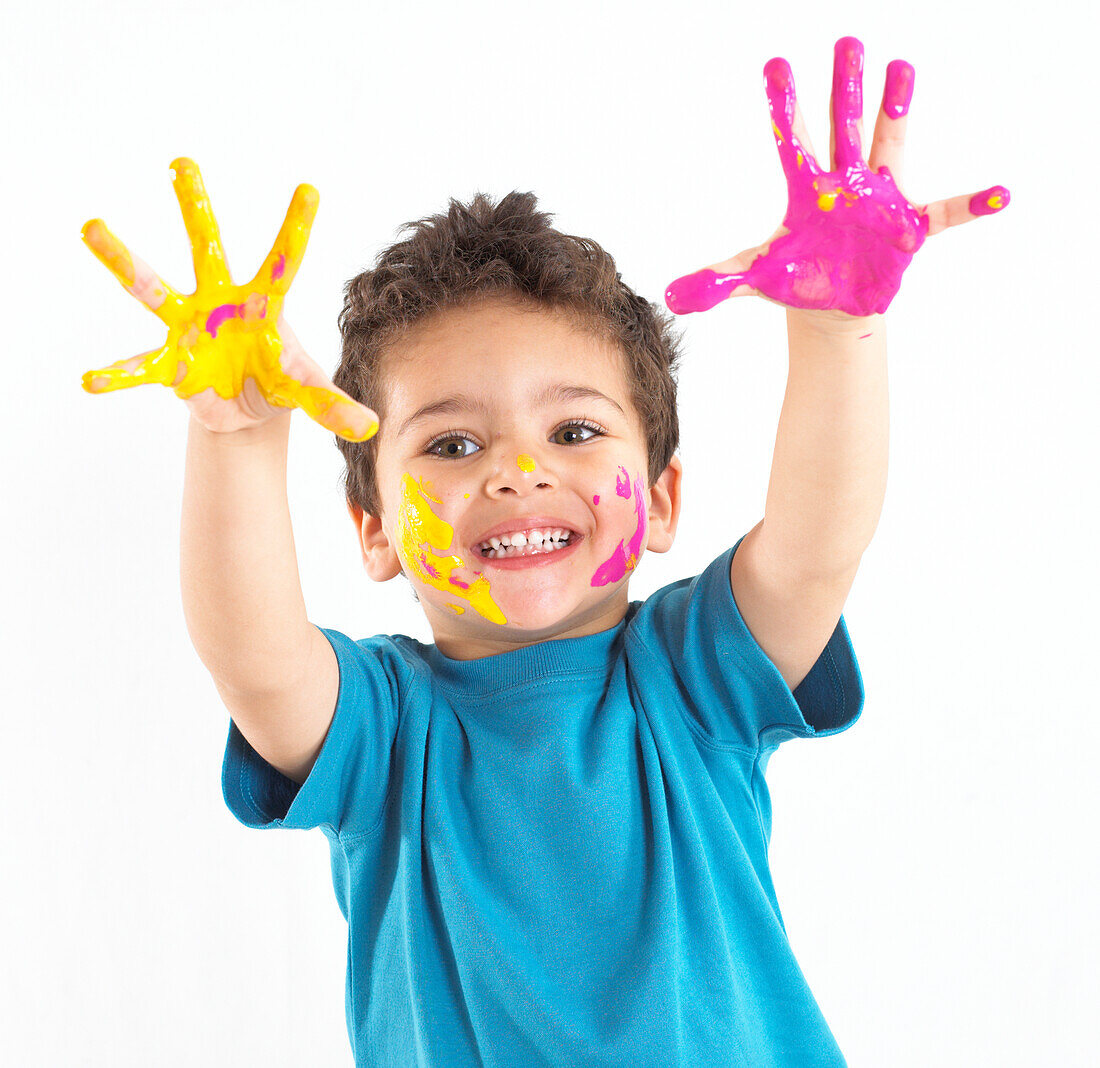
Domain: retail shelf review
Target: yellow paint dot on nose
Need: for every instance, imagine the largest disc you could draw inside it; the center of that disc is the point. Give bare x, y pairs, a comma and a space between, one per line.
525, 462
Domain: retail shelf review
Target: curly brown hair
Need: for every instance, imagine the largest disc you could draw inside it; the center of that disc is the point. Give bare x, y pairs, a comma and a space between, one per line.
506, 250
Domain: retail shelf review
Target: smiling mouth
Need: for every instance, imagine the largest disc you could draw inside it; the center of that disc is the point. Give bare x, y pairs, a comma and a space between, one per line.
529, 555
520, 545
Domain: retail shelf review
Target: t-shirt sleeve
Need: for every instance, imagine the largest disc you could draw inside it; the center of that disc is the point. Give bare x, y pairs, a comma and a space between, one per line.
346, 789
727, 683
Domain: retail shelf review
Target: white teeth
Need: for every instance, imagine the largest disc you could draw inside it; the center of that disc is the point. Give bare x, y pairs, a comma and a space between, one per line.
523, 543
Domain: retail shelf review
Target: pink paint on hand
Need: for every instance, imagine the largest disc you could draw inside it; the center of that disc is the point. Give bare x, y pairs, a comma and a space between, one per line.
219, 316
701, 291
278, 268
625, 557
850, 234
989, 202
898, 94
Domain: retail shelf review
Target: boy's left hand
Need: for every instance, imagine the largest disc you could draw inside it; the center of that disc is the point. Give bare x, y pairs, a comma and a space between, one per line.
849, 233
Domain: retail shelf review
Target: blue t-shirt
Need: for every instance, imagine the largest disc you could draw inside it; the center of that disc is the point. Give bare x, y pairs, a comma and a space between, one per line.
559, 855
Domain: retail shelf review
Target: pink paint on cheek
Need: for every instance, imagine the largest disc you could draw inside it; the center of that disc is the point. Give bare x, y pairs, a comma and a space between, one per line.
622, 483
278, 268
899, 89
459, 583
596, 499
990, 202
625, 557
634, 547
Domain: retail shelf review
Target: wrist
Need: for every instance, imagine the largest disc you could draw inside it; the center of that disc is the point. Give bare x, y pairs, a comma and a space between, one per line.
834, 323
276, 428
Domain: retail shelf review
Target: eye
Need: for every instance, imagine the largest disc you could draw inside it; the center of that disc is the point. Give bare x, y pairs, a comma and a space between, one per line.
452, 446
577, 432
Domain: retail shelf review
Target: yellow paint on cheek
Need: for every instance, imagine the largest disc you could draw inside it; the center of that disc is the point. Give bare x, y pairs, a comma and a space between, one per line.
419, 531
525, 462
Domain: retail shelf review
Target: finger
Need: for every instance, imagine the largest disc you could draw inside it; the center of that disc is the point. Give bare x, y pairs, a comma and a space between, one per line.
847, 104
202, 227
336, 411
286, 254
324, 404
957, 210
702, 290
795, 151
888, 144
136, 276
303, 384
155, 366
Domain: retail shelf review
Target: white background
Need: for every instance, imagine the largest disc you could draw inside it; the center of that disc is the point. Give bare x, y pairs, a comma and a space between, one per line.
935, 865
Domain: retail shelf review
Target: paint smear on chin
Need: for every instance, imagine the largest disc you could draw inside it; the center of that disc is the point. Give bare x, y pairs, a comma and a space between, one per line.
625, 557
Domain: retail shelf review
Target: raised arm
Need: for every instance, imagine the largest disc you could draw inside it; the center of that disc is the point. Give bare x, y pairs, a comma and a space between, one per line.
237, 365
242, 597
836, 263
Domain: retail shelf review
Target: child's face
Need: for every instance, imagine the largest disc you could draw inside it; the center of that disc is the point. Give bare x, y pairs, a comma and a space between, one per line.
512, 449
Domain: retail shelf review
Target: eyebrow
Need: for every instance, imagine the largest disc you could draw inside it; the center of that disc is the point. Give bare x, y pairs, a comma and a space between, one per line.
452, 404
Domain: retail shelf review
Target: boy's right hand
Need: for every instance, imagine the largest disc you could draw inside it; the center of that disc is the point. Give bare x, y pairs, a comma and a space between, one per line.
229, 354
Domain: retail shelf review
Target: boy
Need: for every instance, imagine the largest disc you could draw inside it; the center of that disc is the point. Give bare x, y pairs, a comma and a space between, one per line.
549, 828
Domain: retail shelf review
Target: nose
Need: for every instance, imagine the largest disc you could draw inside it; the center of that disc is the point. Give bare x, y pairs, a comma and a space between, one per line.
519, 471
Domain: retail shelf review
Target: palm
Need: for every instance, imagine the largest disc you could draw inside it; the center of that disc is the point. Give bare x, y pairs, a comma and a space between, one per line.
849, 233
224, 341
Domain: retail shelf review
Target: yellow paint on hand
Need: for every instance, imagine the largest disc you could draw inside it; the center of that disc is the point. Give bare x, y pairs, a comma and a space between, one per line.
222, 334
419, 531
525, 462
826, 201
996, 202
112, 253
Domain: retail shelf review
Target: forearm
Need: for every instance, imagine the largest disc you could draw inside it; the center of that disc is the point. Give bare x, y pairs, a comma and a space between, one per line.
242, 596
828, 477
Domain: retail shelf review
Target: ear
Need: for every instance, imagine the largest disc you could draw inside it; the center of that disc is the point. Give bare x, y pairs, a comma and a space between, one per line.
664, 507
380, 559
